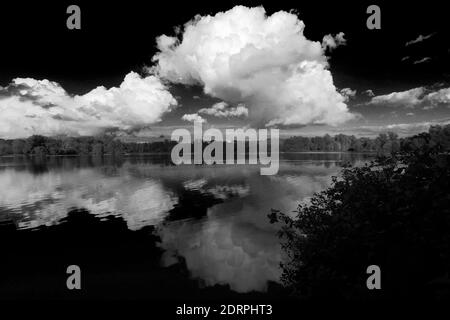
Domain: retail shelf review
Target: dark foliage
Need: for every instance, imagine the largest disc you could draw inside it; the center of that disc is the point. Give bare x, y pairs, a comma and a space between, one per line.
384, 143
393, 212
41, 146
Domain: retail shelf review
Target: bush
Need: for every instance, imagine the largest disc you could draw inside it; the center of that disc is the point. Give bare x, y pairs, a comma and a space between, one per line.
392, 212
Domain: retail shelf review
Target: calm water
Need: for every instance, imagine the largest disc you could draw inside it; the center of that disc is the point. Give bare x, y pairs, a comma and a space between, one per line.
139, 223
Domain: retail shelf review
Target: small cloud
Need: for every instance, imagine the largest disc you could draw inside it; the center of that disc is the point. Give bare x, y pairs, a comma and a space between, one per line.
221, 110
329, 42
196, 97
410, 114
193, 117
402, 129
405, 58
420, 38
370, 93
408, 98
347, 93
422, 60
425, 98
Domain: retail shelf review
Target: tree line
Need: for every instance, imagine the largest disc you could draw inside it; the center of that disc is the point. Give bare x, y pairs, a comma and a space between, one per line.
384, 143
40, 145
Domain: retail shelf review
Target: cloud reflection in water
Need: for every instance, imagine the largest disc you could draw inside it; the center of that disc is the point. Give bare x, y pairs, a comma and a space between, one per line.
230, 242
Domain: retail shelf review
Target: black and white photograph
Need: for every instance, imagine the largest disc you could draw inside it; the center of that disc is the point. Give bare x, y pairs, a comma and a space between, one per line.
224, 159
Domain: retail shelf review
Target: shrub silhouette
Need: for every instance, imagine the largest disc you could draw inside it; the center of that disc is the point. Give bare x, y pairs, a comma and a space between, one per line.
393, 212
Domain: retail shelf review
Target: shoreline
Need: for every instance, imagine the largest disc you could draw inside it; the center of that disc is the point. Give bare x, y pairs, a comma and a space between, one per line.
168, 153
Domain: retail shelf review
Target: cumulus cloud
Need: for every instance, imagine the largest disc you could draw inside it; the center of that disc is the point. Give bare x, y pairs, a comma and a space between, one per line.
193, 117
420, 38
441, 96
408, 98
265, 62
421, 96
222, 109
329, 42
29, 106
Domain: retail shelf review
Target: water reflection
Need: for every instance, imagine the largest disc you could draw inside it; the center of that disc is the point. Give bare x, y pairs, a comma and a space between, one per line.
213, 219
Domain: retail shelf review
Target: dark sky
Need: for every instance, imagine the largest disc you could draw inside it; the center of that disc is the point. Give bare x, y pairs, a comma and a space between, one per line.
119, 37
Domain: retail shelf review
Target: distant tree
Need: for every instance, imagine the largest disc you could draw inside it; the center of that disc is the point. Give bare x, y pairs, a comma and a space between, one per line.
39, 151
37, 141
114, 147
344, 141
97, 149
356, 145
5, 147
83, 148
69, 146
380, 142
439, 136
328, 143
18, 146
141, 147
53, 146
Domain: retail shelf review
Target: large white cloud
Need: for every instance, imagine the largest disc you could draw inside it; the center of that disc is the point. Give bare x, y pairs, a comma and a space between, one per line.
29, 106
244, 56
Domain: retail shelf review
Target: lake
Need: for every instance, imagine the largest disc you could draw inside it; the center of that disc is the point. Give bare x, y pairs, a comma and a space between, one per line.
140, 227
